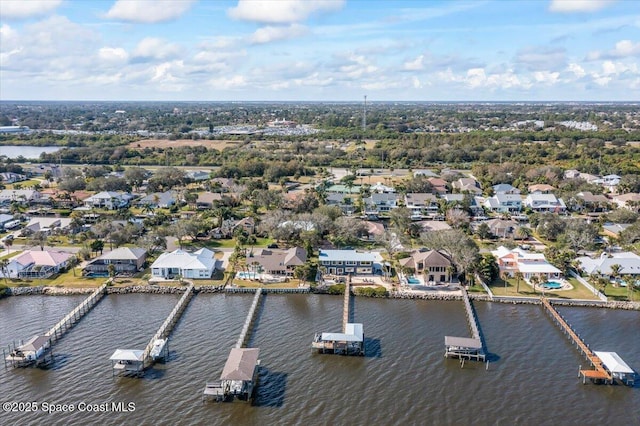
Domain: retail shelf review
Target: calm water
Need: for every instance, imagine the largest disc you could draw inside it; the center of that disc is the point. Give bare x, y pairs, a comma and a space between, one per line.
403, 380
31, 152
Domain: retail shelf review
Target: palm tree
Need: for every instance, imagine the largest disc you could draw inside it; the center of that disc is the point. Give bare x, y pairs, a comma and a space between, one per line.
4, 268
615, 271
518, 276
534, 280
522, 232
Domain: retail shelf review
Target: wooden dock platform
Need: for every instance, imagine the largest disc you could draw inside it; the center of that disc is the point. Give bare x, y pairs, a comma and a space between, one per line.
599, 373
473, 348
38, 350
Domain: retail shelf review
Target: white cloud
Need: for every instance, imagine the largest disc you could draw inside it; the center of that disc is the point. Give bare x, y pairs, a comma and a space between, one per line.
148, 12
156, 48
270, 33
568, 6
577, 70
228, 83
281, 11
415, 65
546, 77
21, 9
113, 54
622, 49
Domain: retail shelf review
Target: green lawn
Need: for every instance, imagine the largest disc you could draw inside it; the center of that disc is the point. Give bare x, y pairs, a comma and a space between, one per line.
621, 293
11, 254
500, 288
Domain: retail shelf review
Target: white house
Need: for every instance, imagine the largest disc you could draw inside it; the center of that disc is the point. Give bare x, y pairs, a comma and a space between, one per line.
527, 263
629, 263
545, 203
108, 200
504, 202
199, 264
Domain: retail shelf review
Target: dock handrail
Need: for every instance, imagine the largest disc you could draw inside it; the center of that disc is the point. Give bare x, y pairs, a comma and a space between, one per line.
345, 308
250, 317
471, 315
168, 323
87, 303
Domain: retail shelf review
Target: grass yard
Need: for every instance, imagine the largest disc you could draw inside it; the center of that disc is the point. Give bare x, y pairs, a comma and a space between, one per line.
508, 288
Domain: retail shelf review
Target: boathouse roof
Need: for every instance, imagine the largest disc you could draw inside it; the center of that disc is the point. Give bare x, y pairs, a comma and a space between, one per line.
463, 342
240, 364
613, 362
35, 343
127, 355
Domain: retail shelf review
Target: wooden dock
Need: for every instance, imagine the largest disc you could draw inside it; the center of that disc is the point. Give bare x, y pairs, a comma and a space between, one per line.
346, 306
599, 373
463, 347
38, 350
165, 329
244, 334
350, 341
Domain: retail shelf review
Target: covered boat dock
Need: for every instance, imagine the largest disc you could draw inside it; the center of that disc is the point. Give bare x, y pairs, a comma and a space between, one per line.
127, 362
615, 365
238, 379
34, 351
464, 348
351, 342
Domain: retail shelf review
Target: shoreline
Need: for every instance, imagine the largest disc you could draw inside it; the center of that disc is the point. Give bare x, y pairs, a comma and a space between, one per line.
442, 296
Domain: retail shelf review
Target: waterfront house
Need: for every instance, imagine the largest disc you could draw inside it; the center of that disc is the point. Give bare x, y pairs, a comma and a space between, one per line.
275, 261
110, 200
199, 264
629, 264
346, 262
545, 203
37, 264
525, 262
124, 259
433, 264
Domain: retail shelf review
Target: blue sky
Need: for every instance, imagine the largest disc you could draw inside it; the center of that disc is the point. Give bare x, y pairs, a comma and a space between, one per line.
320, 50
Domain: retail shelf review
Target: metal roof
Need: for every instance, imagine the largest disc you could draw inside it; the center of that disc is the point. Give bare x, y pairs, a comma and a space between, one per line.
35, 343
127, 355
240, 364
613, 362
463, 342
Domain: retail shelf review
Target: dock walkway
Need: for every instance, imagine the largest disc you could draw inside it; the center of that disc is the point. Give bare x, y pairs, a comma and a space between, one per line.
464, 347
35, 352
244, 334
599, 372
346, 306
167, 326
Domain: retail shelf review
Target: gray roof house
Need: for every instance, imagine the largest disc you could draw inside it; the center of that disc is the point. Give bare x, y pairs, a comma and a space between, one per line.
630, 263
162, 200
276, 262
125, 259
504, 202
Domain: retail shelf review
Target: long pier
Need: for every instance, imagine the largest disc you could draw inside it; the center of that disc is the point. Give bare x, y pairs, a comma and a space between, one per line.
599, 372
345, 307
250, 318
166, 327
36, 350
463, 347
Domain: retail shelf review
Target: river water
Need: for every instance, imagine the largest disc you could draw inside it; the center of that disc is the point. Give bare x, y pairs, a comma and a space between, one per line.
31, 152
403, 380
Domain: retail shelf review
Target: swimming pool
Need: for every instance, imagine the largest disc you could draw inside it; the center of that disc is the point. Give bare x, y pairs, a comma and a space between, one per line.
97, 275
247, 275
552, 285
413, 280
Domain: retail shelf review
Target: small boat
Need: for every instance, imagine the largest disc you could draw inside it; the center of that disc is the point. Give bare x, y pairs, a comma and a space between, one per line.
158, 349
